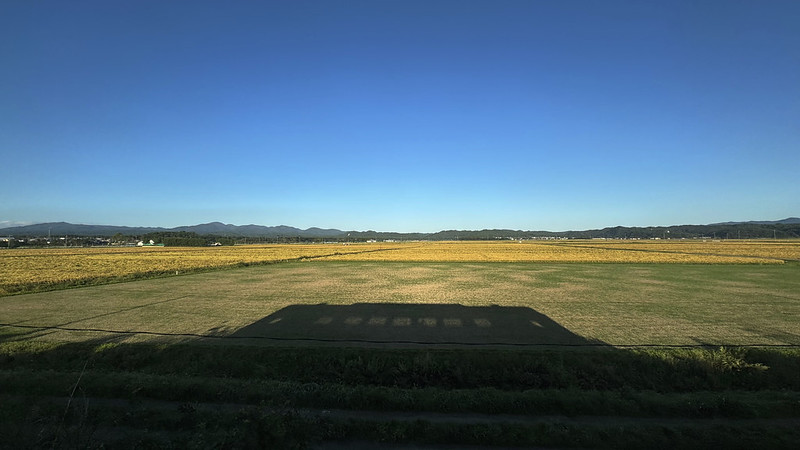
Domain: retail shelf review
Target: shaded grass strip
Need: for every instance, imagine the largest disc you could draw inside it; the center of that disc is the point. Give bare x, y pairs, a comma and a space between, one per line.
137, 387
660, 370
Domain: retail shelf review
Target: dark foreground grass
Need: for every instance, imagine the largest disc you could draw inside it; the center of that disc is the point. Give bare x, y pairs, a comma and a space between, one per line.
101, 393
189, 426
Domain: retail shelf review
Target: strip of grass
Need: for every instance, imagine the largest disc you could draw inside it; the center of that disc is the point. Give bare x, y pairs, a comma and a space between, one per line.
123, 396
188, 426
136, 387
659, 370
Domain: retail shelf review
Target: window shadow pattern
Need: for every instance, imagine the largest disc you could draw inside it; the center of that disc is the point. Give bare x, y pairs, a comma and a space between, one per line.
401, 323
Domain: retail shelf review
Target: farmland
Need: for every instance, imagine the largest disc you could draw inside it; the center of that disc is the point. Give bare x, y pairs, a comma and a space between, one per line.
595, 344
42, 269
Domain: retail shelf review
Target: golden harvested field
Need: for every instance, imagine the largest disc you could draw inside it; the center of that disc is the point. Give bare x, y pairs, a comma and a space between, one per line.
569, 251
24, 270
36, 269
785, 250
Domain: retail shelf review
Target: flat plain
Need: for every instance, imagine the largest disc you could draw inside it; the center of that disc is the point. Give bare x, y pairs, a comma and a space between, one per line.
596, 344
614, 304
26, 270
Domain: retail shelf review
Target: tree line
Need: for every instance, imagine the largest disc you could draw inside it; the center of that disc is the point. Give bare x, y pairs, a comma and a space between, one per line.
192, 239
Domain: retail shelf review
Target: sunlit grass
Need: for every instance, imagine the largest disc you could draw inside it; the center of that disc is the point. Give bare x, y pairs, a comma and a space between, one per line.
616, 304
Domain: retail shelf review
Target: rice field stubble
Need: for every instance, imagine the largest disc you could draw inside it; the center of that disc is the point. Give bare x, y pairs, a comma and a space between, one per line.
31, 270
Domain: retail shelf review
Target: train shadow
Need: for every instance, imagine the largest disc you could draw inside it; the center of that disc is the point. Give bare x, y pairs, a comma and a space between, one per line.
401, 323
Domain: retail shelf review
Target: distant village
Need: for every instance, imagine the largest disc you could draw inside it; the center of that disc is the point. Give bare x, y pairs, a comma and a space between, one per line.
82, 241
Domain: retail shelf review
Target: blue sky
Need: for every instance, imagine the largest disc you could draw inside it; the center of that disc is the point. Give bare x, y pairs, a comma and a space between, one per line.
400, 115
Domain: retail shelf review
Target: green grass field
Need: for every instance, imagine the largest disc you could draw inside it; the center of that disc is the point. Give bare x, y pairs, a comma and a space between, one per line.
609, 304
318, 354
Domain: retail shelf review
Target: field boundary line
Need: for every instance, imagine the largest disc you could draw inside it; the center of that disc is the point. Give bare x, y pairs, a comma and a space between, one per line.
388, 342
302, 258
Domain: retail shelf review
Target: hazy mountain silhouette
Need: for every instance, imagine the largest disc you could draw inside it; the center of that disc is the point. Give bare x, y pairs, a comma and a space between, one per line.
215, 228
789, 227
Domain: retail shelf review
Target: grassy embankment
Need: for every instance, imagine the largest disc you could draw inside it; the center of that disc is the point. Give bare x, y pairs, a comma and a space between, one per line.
132, 395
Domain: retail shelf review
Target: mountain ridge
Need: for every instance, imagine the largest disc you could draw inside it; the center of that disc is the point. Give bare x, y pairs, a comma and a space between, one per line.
789, 227
210, 228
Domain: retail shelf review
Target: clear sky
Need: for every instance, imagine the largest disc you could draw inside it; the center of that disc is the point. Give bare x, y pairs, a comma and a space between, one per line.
400, 115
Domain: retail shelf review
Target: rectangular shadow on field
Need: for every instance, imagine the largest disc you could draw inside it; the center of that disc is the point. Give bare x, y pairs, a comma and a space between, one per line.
413, 323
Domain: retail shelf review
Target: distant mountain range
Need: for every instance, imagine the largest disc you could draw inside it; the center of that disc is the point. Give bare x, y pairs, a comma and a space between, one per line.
789, 227
213, 228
